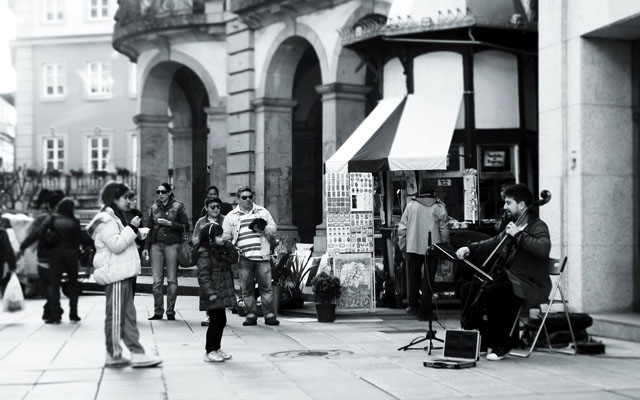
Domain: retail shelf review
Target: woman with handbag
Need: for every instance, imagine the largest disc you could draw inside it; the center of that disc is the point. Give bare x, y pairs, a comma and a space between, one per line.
168, 223
117, 261
216, 286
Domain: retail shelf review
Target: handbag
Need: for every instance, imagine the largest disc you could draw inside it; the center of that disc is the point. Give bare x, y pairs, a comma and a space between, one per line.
13, 297
185, 251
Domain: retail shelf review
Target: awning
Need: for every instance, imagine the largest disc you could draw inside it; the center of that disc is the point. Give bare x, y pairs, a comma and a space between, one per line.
402, 133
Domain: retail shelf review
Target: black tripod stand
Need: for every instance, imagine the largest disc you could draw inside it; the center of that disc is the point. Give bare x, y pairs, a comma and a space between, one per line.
430, 265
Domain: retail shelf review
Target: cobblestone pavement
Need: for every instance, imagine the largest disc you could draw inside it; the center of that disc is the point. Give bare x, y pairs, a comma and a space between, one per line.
300, 359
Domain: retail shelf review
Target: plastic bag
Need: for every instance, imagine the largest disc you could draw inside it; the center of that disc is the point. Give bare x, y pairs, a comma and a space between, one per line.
13, 298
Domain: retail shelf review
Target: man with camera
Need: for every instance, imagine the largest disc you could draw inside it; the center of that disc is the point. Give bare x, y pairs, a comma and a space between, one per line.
249, 227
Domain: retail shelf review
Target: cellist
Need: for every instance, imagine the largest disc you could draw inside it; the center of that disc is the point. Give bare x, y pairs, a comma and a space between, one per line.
519, 272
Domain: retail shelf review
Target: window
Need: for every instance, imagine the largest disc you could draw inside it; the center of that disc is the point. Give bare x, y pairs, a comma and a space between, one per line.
98, 79
98, 9
53, 80
53, 10
133, 80
134, 152
53, 153
98, 153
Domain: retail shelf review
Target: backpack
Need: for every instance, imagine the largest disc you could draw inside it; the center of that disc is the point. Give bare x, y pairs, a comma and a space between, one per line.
50, 235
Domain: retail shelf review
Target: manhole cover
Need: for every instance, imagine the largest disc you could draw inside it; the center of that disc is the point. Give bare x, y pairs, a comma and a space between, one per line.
310, 353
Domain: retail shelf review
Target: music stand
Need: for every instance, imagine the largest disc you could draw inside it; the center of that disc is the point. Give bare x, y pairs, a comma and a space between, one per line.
431, 334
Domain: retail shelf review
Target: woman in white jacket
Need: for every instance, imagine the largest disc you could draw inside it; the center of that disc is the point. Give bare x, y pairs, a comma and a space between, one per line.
116, 262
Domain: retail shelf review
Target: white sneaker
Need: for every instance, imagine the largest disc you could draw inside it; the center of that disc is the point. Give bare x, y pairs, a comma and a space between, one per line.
118, 362
141, 360
224, 355
205, 322
213, 356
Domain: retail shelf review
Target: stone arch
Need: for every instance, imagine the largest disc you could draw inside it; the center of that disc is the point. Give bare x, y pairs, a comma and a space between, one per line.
282, 59
176, 93
346, 60
157, 78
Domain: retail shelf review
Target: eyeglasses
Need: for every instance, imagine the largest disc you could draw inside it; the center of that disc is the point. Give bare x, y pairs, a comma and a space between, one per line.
214, 206
161, 191
246, 197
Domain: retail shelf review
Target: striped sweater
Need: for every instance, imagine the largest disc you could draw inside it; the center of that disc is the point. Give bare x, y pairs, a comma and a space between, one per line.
236, 228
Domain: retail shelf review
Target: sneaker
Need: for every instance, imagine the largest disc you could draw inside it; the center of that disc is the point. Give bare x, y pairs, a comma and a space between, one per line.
118, 362
205, 322
141, 360
498, 354
224, 355
271, 321
250, 321
154, 316
213, 356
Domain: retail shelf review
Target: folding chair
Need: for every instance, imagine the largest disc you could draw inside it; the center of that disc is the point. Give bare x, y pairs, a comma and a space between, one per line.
555, 268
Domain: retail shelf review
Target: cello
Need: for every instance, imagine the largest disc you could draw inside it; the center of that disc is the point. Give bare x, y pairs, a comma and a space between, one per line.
470, 314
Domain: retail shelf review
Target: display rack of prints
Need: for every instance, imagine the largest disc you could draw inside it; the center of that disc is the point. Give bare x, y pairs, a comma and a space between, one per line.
338, 213
357, 277
470, 183
361, 221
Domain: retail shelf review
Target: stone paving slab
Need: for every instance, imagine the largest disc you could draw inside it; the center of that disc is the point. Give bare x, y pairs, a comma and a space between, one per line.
300, 359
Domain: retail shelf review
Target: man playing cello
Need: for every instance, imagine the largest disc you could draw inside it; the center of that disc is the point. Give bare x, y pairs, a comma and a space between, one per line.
519, 272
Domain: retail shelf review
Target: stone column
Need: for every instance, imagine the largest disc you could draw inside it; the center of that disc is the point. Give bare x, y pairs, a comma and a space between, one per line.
182, 166
154, 155
217, 149
240, 118
273, 149
343, 109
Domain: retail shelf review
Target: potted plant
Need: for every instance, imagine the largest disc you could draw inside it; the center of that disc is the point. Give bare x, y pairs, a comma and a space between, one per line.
326, 291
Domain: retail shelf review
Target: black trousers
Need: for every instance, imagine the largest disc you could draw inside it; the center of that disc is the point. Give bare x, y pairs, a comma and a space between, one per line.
501, 307
217, 322
417, 284
63, 260
45, 283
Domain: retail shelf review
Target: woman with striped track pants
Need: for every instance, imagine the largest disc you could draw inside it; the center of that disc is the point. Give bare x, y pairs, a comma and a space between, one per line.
116, 263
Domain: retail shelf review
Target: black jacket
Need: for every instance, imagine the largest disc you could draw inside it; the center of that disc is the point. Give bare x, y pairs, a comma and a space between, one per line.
6, 251
172, 211
526, 262
34, 235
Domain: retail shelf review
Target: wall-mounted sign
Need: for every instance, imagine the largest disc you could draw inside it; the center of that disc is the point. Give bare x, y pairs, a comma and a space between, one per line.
494, 158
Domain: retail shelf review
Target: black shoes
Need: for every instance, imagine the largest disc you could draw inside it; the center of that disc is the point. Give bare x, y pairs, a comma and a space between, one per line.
155, 316
271, 321
171, 317
250, 321
53, 321
74, 318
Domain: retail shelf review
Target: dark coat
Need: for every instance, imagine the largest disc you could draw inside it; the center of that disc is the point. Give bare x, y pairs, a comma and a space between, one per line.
526, 262
172, 211
6, 252
215, 276
34, 236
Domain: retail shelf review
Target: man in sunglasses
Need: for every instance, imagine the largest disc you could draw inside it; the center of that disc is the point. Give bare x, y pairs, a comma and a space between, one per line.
249, 226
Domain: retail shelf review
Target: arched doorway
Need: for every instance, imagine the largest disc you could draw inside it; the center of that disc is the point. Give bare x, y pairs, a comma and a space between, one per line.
307, 147
173, 135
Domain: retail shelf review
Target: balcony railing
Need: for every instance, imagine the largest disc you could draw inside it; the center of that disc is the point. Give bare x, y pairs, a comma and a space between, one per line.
139, 17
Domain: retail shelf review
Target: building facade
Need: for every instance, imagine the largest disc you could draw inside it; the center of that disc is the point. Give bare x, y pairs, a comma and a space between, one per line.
7, 133
589, 97
262, 92
76, 96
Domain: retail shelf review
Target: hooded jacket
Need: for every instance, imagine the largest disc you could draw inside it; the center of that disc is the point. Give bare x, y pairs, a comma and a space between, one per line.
423, 215
116, 257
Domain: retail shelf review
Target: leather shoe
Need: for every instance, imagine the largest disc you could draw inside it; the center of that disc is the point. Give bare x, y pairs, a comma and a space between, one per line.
271, 321
155, 316
171, 317
250, 322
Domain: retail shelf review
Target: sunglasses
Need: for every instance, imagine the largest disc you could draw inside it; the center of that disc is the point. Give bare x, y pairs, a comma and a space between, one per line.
161, 191
246, 197
213, 206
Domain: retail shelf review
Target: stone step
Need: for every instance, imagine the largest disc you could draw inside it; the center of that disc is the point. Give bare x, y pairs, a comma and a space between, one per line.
623, 326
